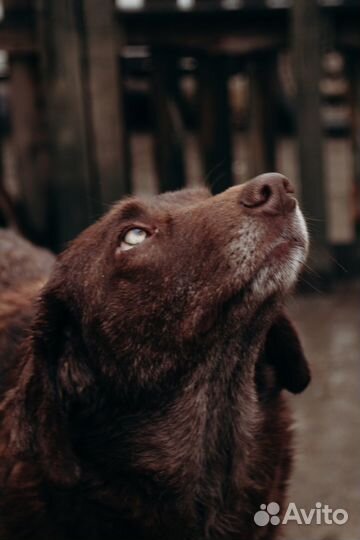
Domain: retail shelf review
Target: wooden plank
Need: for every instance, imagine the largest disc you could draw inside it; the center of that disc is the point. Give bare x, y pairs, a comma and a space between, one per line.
17, 40
349, 38
208, 38
214, 42
17, 26
307, 66
8, 217
263, 80
229, 31
354, 77
18, 4
346, 26
90, 167
111, 148
30, 144
75, 194
168, 130
214, 128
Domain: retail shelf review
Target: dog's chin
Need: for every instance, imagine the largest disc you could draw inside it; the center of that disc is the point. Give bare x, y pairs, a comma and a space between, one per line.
280, 271
283, 263
275, 277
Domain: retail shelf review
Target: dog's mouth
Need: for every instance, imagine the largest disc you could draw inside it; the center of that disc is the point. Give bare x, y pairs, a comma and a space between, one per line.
275, 264
287, 250
281, 266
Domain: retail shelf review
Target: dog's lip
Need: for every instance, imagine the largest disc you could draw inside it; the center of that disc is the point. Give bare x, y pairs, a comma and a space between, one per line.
281, 251
284, 250
286, 243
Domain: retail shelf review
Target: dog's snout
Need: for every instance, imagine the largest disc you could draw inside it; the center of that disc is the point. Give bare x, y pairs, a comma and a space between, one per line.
270, 193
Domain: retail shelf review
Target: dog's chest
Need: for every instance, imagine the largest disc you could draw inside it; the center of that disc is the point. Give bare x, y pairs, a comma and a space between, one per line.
205, 435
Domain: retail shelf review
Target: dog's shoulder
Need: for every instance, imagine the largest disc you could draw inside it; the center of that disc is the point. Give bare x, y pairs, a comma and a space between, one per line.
21, 262
24, 269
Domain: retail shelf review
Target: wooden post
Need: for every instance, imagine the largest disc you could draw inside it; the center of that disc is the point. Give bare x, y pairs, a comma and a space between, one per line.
214, 129
168, 129
307, 65
354, 76
30, 145
75, 196
105, 99
263, 101
90, 160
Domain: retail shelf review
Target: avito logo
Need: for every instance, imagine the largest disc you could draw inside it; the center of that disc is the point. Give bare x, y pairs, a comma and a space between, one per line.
320, 515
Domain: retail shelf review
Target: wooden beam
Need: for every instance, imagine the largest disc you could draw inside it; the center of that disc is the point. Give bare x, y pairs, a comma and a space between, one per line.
17, 27
90, 161
75, 192
354, 78
17, 40
306, 27
30, 144
227, 31
263, 80
214, 128
168, 128
105, 99
10, 5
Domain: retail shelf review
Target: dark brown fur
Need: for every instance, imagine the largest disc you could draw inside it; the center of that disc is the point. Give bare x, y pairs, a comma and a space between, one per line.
149, 403
24, 269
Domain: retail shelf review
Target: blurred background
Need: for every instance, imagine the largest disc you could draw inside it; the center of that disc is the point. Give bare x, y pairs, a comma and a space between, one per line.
99, 99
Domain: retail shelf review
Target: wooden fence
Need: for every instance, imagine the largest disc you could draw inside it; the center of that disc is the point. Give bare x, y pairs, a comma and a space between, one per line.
67, 109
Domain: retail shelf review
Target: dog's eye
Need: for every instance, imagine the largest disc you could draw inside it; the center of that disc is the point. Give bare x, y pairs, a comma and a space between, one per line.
132, 238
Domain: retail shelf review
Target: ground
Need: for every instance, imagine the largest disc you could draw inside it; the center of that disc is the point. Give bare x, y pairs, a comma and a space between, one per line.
327, 413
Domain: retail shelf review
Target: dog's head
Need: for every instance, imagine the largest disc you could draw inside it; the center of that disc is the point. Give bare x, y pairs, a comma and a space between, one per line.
144, 295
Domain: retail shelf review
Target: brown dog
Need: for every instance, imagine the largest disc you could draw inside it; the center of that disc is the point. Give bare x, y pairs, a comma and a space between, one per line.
149, 403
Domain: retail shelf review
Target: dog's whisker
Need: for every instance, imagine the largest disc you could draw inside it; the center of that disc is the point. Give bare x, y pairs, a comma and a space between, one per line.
311, 218
311, 269
217, 180
314, 219
345, 270
209, 173
311, 285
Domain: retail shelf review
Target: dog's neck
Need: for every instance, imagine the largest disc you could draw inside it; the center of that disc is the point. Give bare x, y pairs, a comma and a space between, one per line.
187, 439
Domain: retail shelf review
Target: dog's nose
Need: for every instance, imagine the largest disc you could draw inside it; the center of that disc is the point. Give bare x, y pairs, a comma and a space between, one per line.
269, 194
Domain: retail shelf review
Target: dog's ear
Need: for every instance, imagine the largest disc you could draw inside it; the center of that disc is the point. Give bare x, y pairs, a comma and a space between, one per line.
55, 377
284, 352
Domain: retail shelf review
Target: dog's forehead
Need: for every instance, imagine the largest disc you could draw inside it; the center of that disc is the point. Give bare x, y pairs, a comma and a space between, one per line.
183, 197
134, 207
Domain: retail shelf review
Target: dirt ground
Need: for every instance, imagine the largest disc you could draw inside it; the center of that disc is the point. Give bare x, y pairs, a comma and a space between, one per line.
327, 414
